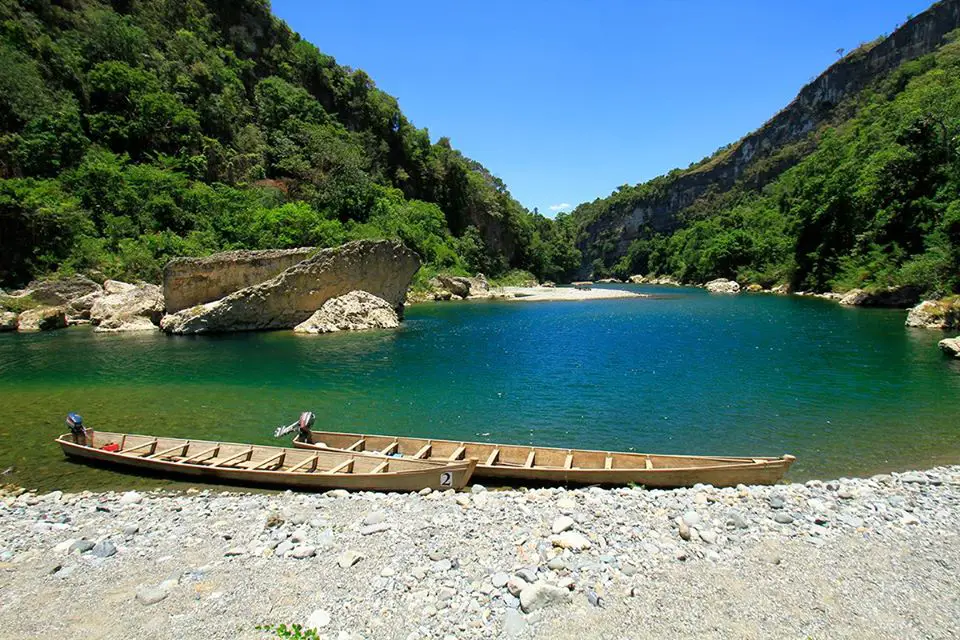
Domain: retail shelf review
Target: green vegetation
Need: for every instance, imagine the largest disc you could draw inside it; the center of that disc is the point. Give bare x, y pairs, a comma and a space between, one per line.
292, 632
133, 132
874, 201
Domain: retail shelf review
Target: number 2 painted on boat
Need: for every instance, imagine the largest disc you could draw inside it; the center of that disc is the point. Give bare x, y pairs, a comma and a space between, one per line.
446, 479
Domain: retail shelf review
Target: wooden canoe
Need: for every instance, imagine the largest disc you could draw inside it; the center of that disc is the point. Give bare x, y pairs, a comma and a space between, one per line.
272, 466
515, 463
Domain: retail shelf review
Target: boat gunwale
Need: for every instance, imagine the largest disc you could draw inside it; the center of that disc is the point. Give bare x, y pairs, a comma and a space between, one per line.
432, 466
737, 461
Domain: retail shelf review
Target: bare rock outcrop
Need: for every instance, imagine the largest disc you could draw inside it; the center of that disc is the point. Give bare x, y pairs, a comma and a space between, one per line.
637, 279
781, 289
889, 297
8, 321
127, 307
445, 287
935, 314
79, 308
188, 282
722, 285
56, 293
355, 311
383, 268
42, 319
950, 346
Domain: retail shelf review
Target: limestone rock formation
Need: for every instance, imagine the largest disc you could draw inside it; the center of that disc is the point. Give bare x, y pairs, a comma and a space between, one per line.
55, 293
781, 289
383, 268
127, 307
950, 346
889, 297
355, 311
609, 281
188, 282
8, 321
754, 288
445, 287
665, 280
42, 319
722, 285
456, 285
80, 307
935, 314
637, 279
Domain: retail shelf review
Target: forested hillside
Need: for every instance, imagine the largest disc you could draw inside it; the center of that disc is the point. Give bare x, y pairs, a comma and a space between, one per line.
870, 197
134, 131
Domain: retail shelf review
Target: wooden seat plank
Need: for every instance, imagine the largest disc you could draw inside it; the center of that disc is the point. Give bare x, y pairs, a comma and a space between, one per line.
304, 463
459, 452
492, 458
648, 463
139, 446
380, 468
248, 454
530, 458
344, 467
359, 445
214, 450
424, 451
168, 451
568, 463
390, 448
278, 459
608, 463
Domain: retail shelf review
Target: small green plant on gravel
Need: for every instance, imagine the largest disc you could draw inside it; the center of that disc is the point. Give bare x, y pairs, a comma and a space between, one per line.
292, 632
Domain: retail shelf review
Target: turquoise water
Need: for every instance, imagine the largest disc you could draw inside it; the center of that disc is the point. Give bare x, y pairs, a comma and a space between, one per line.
848, 391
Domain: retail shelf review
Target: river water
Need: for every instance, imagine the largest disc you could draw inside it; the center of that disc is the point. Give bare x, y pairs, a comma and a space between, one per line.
848, 391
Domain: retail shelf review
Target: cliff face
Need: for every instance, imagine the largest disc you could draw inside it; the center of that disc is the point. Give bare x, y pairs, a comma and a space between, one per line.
383, 268
814, 105
192, 281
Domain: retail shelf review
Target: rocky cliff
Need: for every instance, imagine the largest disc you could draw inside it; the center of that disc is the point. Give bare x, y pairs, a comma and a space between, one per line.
191, 281
658, 206
381, 267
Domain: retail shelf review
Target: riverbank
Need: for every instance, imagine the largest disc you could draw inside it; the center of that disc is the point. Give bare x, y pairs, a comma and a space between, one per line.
550, 294
872, 557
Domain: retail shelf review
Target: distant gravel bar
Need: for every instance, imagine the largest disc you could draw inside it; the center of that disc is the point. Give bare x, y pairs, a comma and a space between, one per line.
850, 558
547, 294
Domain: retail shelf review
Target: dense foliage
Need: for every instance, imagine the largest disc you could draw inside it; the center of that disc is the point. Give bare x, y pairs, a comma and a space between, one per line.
874, 201
133, 131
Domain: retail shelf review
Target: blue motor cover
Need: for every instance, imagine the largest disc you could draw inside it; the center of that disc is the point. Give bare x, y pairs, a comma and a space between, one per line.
75, 423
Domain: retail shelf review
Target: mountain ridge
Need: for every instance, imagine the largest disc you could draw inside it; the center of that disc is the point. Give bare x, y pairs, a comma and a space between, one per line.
609, 225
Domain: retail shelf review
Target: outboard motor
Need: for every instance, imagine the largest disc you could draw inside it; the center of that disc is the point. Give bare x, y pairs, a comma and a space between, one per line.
77, 430
305, 424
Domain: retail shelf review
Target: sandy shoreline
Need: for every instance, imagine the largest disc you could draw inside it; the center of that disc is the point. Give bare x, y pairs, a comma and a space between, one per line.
873, 557
549, 294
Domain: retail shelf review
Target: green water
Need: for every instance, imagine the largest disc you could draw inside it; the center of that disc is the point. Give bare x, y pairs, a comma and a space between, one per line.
849, 391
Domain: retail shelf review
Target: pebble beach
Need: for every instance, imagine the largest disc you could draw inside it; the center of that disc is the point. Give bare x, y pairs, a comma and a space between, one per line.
875, 557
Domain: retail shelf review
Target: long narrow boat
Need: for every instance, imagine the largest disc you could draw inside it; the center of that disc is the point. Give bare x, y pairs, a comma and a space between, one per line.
568, 466
264, 465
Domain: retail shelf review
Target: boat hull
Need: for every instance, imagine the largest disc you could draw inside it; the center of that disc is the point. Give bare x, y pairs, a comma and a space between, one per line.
363, 474
513, 463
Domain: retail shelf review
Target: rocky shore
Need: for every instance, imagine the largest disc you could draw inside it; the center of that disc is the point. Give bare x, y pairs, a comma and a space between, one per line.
874, 557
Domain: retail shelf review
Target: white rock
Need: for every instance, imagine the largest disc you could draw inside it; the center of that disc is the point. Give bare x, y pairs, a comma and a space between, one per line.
539, 595
318, 619
570, 540
562, 523
349, 558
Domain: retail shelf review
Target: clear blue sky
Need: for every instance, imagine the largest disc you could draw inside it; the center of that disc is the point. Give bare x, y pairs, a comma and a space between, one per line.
567, 100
